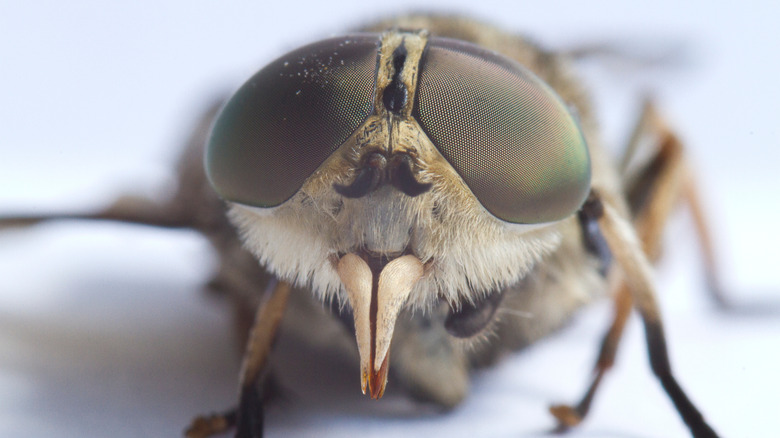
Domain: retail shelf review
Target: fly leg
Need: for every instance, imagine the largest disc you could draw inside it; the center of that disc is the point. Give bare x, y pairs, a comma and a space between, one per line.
248, 417
570, 416
656, 179
652, 191
637, 272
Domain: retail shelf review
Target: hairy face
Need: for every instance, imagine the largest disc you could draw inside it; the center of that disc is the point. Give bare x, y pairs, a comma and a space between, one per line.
466, 252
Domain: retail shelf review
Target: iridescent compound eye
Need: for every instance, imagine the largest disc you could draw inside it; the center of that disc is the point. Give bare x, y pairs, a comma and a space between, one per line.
506, 133
281, 125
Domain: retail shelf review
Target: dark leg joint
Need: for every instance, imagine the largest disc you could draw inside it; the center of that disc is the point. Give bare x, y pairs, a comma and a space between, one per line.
592, 238
592, 208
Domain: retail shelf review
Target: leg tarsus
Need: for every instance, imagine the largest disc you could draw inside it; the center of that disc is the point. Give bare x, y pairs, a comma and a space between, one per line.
570, 416
659, 361
205, 426
723, 299
249, 420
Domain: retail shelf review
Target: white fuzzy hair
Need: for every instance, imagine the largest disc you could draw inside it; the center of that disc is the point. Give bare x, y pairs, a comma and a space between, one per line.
467, 251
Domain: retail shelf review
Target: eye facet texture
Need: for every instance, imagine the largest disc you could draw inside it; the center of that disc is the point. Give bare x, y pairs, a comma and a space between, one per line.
506, 133
281, 125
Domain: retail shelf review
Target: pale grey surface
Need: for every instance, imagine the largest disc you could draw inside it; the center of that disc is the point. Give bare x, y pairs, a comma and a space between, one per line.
103, 330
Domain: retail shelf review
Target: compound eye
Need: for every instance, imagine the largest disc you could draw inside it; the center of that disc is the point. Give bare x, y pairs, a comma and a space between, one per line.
281, 125
506, 133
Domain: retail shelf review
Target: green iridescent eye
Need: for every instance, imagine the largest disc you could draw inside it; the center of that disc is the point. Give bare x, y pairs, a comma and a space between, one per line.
507, 134
281, 125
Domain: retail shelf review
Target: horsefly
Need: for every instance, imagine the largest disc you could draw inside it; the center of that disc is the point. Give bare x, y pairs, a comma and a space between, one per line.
423, 177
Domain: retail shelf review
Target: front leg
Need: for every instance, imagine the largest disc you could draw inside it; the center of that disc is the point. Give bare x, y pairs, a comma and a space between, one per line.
248, 417
653, 189
635, 266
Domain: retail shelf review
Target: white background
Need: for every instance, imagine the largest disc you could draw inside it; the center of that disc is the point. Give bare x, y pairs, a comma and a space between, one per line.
104, 330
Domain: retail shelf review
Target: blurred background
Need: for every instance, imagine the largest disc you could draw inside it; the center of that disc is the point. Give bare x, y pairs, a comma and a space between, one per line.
104, 329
